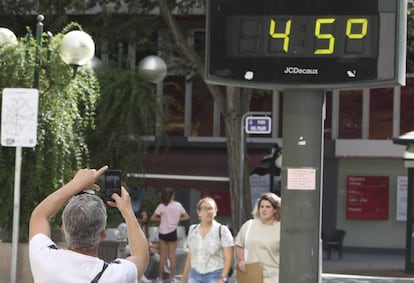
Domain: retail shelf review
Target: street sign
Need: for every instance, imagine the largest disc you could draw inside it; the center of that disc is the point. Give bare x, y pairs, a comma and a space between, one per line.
258, 125
19, 117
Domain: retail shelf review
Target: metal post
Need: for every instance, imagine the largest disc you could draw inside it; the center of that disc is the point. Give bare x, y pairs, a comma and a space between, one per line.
18, 161
16, 213
159, 117
39, 31
239, 221
301, 186
409, 251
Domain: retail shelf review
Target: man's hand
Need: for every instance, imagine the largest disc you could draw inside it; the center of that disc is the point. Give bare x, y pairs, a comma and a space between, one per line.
84, 179
122, 202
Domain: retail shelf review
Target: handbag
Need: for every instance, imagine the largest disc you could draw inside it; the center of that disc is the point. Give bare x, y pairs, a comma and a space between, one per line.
253, 273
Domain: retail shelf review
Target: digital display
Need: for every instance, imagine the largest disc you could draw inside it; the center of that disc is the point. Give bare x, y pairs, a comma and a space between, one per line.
321, 44
302, 36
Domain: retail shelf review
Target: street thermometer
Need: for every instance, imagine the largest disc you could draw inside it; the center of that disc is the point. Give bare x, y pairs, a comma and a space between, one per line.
320, 44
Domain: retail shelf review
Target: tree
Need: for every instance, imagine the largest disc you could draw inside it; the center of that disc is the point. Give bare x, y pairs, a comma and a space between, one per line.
232, 102
410, 38
66, 112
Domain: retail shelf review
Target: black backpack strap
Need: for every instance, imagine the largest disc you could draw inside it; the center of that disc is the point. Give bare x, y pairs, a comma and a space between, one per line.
220, 233
99, 275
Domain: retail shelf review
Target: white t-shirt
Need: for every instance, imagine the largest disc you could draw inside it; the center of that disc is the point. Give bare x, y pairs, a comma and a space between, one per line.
263, 245
51, 265
169, 216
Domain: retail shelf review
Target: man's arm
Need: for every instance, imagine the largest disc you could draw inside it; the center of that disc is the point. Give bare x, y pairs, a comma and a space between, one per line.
83, 179
137, 241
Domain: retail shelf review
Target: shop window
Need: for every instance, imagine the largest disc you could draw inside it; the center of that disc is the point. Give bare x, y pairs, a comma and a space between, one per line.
174, 98
202, 110
407, 107
380, 113
350, 114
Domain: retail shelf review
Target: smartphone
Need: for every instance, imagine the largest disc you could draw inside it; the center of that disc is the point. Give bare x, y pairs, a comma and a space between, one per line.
112, 183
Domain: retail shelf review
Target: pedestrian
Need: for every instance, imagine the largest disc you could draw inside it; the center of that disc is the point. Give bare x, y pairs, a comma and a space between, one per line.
210, 247
83, 221
142, 217
259, 238
169, 213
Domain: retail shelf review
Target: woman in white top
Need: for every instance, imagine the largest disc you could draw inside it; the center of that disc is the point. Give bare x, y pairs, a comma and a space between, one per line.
261, 237
210, 247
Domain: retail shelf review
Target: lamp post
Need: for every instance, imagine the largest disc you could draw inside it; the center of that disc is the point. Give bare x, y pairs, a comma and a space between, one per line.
408, 140
271, 165
78, 53
153, 69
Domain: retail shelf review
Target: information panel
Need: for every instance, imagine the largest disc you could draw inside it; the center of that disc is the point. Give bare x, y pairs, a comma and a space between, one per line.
367, 197
317, 43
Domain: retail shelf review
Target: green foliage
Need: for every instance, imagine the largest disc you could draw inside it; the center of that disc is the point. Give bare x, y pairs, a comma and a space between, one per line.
410, 38
125, 112
66, 112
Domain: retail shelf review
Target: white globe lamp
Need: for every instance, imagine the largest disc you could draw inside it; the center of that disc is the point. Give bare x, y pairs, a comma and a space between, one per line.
7, 37
152, 69
77, 48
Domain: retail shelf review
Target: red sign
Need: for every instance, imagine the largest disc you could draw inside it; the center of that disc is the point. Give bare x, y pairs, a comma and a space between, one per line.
367, 197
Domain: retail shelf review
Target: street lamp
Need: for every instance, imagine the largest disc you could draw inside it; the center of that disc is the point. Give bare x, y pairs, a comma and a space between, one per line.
153, 69
408, 140
78, 49
7, 37
271, 165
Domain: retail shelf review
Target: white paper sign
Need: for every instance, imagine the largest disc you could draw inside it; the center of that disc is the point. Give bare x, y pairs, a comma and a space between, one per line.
301, 179
19, 117
402, 185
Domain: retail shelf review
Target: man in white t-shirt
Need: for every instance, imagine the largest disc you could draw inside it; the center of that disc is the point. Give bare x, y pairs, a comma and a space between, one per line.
84, 221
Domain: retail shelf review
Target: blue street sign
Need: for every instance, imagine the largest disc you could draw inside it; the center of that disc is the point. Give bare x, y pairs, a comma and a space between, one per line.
258, 125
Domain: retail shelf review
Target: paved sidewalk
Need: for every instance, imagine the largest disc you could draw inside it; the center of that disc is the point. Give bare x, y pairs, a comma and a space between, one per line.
371, 264
23, 274
368, 263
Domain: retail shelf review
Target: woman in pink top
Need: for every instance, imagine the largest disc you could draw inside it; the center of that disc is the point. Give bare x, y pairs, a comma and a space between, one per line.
169, 212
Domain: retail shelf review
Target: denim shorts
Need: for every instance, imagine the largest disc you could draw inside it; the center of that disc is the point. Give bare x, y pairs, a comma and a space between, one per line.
210, 277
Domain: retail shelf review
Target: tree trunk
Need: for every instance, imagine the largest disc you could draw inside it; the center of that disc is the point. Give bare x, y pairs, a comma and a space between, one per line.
233, 125
232, 106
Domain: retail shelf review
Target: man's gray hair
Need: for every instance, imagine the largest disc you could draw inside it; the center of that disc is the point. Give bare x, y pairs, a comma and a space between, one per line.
84, 218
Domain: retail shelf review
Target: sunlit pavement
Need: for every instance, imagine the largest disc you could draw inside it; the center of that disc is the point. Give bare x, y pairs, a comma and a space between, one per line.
342, 278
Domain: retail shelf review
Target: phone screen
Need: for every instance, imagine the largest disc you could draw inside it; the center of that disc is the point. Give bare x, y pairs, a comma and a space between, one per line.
112, 183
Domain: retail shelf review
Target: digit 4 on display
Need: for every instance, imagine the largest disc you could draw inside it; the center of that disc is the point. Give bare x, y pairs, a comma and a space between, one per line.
319, 44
